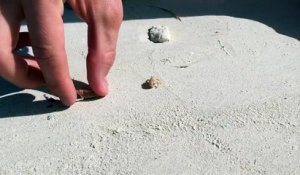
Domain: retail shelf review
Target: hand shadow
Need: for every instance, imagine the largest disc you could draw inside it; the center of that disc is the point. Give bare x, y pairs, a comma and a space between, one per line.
14, 103
23, 104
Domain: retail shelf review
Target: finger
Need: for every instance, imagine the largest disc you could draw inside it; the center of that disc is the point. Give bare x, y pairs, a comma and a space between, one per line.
47, 38
102, 41
17, 71
13, 68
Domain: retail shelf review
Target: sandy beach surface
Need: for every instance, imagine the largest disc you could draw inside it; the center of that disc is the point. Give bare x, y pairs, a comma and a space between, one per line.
228, 101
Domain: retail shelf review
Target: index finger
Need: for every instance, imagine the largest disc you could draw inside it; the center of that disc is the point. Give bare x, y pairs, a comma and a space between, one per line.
46, 31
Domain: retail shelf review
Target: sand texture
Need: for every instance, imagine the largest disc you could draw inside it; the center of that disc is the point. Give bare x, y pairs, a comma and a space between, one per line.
229, 101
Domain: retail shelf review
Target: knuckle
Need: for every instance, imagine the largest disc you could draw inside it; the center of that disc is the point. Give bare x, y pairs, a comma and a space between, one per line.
109, 57
111, 14
114, 16
116, 12
106, 58
48, 53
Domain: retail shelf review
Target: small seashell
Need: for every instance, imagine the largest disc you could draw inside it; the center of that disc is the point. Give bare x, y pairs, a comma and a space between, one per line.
86, 94
151, 83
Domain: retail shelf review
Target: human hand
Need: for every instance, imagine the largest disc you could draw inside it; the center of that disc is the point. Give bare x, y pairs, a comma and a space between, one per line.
46, 36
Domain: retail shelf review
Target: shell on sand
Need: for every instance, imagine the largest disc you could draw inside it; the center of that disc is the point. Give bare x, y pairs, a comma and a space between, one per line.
86, 94
153, 82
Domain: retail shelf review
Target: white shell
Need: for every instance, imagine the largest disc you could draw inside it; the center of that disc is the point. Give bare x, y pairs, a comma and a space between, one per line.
159, 34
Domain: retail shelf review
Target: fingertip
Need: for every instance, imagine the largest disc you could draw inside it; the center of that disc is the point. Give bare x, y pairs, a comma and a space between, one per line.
99, 86
67, 102
65, 91
68, 99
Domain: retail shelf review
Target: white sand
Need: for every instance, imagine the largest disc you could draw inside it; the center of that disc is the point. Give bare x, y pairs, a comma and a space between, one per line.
229, 103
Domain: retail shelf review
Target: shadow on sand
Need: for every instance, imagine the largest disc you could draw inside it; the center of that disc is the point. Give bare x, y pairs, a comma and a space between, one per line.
281, 15
15, 103
23, 104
